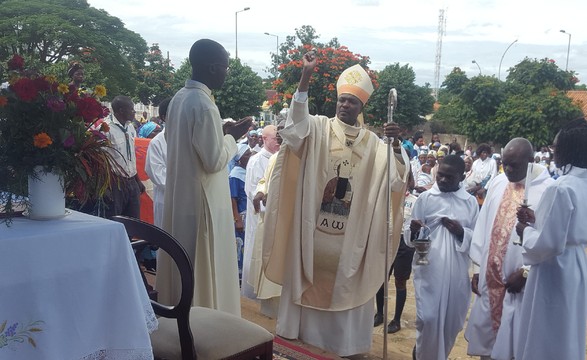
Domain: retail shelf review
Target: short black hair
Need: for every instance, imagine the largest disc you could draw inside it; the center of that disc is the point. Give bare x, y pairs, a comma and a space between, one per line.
571, 144
455, 161
163, 105
119, 102
418, 135
483, 147
205, 52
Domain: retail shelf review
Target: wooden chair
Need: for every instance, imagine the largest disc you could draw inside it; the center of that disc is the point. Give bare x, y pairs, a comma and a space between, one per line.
216, 334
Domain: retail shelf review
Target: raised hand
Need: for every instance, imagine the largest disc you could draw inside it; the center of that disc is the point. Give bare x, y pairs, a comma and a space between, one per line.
310, 59
239, 128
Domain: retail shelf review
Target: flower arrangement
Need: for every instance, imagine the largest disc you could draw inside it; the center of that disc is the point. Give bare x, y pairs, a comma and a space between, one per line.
50, 124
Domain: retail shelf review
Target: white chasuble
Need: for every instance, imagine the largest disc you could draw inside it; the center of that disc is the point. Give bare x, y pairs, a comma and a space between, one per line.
325, 229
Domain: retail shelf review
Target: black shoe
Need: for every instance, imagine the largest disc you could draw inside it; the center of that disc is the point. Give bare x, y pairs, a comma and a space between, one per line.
393, 327
378, 319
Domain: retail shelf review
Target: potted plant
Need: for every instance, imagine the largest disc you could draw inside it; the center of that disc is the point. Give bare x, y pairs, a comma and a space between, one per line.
47, 131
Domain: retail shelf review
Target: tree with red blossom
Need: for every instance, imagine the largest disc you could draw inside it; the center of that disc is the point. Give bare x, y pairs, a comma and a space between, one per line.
333, 59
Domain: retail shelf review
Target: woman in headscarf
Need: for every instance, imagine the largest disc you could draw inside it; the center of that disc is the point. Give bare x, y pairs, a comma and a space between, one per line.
76, 74
238, 195
149, 130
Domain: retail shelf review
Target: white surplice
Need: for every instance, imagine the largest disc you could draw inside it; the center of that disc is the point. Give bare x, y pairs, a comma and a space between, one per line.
197, 206
554, 311
155, 167
442, 287
329, 261
264, 288
479, 332
255, 171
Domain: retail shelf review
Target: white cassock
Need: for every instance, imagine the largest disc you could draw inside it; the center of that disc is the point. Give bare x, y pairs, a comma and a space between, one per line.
255, 171
197, 205
483, 339
554, 311
442, 288
329, 253
266, 290
155, 167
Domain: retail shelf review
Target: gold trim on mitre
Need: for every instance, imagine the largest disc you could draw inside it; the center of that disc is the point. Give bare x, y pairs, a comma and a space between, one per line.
355, 81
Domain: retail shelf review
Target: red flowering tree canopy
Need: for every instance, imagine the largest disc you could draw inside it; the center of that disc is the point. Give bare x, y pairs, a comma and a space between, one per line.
332, 61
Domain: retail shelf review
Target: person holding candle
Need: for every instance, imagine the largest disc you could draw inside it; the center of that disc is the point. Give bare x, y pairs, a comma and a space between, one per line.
553, 315
499, 282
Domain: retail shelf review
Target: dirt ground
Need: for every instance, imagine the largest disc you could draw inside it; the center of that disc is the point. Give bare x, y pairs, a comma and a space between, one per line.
399, 345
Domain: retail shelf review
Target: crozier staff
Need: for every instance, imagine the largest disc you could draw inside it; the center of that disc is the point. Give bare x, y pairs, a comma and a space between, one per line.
325, 223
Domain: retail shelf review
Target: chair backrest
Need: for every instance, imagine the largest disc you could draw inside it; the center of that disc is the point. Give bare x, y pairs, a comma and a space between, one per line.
147, 233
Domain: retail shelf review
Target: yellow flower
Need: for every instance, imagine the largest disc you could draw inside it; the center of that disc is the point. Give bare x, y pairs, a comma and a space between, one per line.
63, 88
100, 91
51, 79
3, 101
42, 140
13, 78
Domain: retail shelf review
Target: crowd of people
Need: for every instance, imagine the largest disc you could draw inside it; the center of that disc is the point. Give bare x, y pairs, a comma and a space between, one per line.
295, 215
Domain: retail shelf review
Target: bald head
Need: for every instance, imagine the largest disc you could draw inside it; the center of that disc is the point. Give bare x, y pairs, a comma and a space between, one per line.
269, 130
270, 138
515, 158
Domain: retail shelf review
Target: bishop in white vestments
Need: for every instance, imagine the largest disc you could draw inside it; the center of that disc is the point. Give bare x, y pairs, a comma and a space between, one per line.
325, 223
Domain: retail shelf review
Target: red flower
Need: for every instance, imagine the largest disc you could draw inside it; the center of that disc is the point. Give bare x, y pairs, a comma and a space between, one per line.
25, 89
69, 141
98, 134
55, 104
89, 109
16, 63
41, 84
72, 94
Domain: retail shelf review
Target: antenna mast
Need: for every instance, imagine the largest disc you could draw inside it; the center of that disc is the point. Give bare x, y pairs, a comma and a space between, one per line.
441, 32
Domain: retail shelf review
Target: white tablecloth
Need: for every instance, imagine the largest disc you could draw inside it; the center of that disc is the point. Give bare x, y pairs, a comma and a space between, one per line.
70, 289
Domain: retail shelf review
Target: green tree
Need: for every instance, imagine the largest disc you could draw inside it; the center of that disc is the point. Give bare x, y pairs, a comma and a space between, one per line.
531, 103
183, 73
59, 30
414, 102
242, 93
540, 74
156, 78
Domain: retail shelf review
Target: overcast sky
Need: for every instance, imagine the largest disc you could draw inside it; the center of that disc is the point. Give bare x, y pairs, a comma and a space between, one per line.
385, 30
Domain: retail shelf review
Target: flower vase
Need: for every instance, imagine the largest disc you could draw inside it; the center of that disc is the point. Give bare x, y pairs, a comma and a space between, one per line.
46, 195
